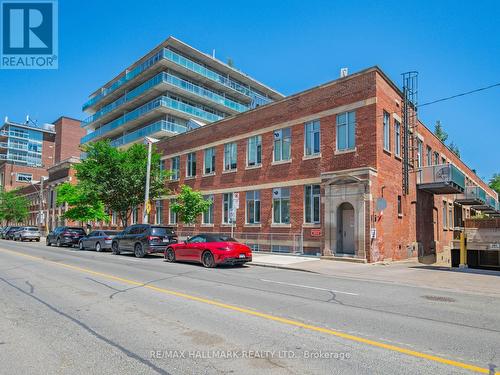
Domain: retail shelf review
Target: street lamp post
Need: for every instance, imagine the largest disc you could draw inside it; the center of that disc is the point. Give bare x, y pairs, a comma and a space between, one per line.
40, 203
145, 215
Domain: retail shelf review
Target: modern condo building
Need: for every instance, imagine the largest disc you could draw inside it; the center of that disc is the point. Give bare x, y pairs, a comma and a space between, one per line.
170, 90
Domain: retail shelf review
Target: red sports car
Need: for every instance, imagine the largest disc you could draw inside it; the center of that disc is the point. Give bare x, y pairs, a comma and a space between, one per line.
210, 249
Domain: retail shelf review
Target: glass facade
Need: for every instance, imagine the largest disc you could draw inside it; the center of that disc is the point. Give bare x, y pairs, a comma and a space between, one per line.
22, 145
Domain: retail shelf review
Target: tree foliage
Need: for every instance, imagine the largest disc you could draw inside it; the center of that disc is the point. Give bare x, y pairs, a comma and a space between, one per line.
13, 207
117, 177
189, 204
439, 132
495, 182
454, 148
83, 205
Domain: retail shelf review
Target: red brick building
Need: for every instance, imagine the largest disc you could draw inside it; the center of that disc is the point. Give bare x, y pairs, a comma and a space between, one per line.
311, 169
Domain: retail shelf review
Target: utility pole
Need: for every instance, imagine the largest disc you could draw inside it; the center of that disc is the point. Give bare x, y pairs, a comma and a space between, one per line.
147, 206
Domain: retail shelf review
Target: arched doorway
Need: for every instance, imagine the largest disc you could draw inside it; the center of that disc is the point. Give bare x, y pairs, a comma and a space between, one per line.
345, 225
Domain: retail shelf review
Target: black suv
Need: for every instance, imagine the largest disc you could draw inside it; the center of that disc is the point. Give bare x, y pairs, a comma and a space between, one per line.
65, 236
142, 239
9, 234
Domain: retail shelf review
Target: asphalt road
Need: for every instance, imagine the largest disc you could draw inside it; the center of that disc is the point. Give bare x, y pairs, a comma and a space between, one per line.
65, 311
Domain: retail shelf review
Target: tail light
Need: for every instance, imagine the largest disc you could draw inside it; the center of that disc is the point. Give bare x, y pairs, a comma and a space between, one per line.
107, 238
152, 238
66, 234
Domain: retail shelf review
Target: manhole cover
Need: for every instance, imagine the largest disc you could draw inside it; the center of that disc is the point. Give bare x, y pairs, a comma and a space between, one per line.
439, 298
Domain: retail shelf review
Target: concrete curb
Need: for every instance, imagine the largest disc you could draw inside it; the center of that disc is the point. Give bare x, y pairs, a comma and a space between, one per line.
269, 265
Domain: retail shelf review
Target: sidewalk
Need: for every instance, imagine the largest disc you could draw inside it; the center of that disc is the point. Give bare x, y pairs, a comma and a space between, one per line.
409, 273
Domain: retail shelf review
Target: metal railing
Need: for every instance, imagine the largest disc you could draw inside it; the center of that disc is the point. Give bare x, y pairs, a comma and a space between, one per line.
474, 192
443, 173
162, 101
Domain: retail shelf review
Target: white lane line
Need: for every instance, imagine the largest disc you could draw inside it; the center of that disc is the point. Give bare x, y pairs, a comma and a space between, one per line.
309, 287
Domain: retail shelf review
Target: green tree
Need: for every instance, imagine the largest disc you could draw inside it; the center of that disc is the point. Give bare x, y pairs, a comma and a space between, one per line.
83, 205
189, 204
13, 207
117, 177
454, 148
495, 182
439, 132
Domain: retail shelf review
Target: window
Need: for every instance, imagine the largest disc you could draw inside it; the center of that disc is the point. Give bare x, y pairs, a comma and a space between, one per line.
281, 205
397, 138
208, 215
24, 177
450, 215
436, 158
172, 215
254, 151
346, 131
429, 155
312, 138
227, 208
419, 152
387, 131
191, 164
312, 203
135, 216
209, 161
253, 206
230, 156
282, 144
445, 215
113, 218
443, 160
400, 206
159, 212
176, 164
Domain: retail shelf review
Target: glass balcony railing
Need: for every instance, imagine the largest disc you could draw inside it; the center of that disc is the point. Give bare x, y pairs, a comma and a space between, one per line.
27, 159
257, 98
173, 80
441, 174
153, 128
474, 193
490, 201
162, 101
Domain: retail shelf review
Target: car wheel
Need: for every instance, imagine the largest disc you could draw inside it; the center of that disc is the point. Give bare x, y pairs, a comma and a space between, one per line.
115, 249
98, 247
139, 251
170, 255
58, 242
80, 245
47, 241
208, 259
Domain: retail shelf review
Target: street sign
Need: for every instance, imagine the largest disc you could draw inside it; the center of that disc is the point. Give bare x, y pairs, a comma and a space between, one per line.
373, 233
236, 200
277, 193
232, 214
148, 207
315, 232
381, 204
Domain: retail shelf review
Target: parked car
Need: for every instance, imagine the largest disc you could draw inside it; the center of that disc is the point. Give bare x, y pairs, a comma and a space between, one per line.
142, 239
98, 240
65, 236
3, 232
9, 235
211, 250
27, 233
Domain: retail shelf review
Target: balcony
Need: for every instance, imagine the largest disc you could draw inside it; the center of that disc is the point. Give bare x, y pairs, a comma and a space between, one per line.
441, 179
158, 129
158, 106
161, 82
167, 58
473, 195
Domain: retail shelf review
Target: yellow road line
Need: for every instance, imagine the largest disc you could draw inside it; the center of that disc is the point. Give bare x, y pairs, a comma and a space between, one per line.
295, 323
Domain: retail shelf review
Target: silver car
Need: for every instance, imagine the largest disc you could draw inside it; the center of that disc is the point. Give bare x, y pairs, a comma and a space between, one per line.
27, 234
97, 240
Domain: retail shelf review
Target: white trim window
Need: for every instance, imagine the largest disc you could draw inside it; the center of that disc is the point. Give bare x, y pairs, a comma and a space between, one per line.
227, 207
24, 177
113, 218
282, 144
175, 167
254, 151
312, 139
230, 156
346, 131
209, 161
208, 215
159, 212
191, 164
134, 217
252, 207
429, 155
172, 215
312, 202
387, 131
397, 138
281, 205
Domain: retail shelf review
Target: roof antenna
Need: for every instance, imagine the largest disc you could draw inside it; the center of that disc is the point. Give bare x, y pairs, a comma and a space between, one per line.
213, 53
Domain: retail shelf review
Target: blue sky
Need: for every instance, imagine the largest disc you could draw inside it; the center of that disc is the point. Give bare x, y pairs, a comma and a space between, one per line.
291, 46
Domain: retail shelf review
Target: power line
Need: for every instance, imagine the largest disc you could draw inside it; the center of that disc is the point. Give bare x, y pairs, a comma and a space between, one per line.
458, 95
